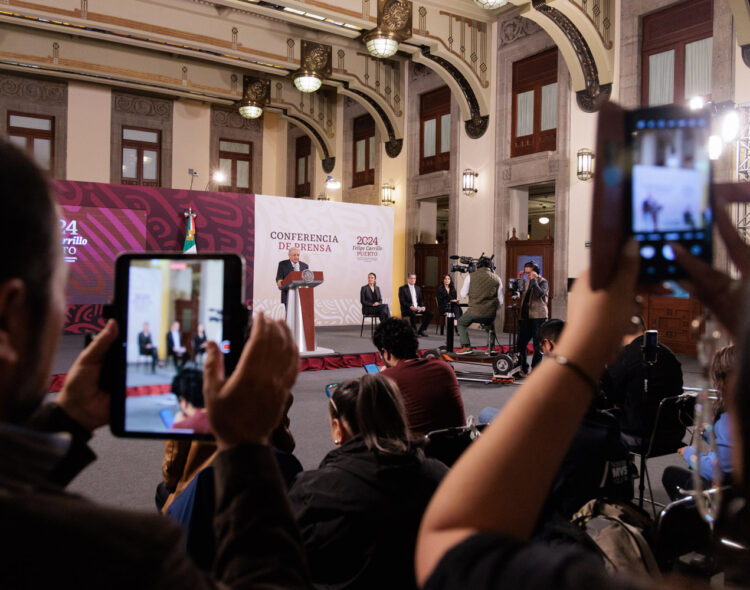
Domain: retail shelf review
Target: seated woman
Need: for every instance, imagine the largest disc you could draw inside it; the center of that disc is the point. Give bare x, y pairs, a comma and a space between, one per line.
447, 300
199, 342
676, 478
359, 512
371, 300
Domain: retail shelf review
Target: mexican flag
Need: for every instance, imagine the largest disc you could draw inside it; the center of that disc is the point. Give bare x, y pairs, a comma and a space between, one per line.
190, 247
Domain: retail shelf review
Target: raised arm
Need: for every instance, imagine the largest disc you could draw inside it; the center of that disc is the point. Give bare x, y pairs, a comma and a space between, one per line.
511, 466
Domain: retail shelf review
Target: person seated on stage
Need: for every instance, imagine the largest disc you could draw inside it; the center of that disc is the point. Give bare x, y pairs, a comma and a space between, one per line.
199, 341
59, 539
623, 387
447, 300
485, 292
359, 512
371, 300
293, 263
597, 462
410, 300
175, 349
676, 480
428, 387
146, 346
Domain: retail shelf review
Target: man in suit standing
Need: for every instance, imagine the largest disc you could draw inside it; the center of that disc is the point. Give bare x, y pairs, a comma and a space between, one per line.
410, 298
285, 267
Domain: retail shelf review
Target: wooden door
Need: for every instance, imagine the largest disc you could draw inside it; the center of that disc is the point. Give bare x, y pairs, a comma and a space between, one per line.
186, 312
672, 318
430, 264
517, 253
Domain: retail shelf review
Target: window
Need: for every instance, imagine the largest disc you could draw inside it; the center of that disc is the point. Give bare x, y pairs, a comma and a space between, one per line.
302, 150
534, 112
236, 162
364, 151
141, 153
35, 135
676, 54
435, 130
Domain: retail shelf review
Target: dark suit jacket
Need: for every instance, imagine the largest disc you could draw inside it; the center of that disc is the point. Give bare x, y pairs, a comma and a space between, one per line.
404, 298
143, 342
285, 267
367, 297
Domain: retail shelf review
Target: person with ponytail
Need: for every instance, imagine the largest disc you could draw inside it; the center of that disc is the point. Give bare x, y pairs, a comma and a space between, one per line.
359, 512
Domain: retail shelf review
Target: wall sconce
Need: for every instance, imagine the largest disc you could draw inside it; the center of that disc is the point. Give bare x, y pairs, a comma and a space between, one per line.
470, 182
394, 26
386, 195
255, 95
332, 184
315, 66
585, 168
323, 196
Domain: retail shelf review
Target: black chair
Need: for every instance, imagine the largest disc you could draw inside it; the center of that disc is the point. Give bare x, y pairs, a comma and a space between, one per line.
655, 446
681, 530
440, 325
373, 318
448, 444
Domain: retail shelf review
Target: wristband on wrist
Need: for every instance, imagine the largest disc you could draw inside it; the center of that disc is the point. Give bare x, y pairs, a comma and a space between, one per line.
565, 362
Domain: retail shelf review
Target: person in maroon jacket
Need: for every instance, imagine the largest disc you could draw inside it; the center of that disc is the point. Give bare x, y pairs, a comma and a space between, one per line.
428, 386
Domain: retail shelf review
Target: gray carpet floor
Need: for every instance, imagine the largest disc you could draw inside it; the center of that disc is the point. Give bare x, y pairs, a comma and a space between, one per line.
127, 470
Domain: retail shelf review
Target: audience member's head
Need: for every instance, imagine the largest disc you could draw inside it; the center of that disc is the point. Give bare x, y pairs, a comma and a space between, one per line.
187, 385
722, 374
370, 407
395, 340
549, 332
32, 285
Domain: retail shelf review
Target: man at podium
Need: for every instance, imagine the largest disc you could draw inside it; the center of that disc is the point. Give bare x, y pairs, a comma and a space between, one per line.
285, 267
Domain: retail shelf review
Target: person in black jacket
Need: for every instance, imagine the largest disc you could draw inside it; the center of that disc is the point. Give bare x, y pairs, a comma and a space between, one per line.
372, 300
447, 299
359, 512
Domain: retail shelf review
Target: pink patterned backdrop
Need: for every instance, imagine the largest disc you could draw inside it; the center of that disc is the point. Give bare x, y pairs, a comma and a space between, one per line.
224, 223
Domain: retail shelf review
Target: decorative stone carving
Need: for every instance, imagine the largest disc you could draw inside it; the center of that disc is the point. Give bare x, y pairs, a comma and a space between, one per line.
476, 126
589, 98
233, 120
506, 173
516, 28
144, 106
33, 90
393, 147
419, 71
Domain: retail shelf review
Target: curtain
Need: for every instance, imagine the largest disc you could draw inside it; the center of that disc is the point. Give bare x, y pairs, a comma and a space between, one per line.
525, 113
698, 56
661, 78
549, 106
430, 137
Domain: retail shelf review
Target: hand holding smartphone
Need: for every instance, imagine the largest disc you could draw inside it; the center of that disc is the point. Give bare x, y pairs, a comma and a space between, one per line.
653, 184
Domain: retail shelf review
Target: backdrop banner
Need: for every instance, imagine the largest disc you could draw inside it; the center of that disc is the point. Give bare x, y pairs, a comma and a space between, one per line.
345, 241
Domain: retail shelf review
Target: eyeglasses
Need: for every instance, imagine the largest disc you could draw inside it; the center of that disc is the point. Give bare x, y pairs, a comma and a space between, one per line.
330, 388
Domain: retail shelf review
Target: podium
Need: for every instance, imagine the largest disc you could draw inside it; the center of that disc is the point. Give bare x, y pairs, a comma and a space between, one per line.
300, 309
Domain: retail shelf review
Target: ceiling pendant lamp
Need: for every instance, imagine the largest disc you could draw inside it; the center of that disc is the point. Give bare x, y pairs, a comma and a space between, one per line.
394, 26
315, 66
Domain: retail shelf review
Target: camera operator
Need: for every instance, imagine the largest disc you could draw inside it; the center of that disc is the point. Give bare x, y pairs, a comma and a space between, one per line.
485, 297
533, 314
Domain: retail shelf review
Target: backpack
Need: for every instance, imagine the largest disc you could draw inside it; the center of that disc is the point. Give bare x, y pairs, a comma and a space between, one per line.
616, 530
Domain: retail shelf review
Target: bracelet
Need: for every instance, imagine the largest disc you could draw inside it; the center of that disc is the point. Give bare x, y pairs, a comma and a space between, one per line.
566, 362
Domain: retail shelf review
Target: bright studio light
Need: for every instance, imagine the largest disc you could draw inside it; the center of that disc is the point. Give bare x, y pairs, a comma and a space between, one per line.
696, 103
219, 176
544, 220
730, 126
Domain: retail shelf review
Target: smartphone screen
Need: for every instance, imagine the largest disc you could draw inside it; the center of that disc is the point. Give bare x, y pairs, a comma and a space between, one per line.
371, 368
669, 187
169, 307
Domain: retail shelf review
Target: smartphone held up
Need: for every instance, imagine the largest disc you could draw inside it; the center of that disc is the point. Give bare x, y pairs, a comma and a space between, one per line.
653, 184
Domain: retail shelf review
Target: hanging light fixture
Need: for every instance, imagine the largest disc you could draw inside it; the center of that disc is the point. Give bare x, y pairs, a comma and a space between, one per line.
255, 95
585, 165
490, 4
394, 26
332, 184
386, 195
544, 220
315, 66
470, 182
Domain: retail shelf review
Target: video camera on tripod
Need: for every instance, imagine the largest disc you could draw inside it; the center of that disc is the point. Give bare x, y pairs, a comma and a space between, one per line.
469, 264
515, 286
